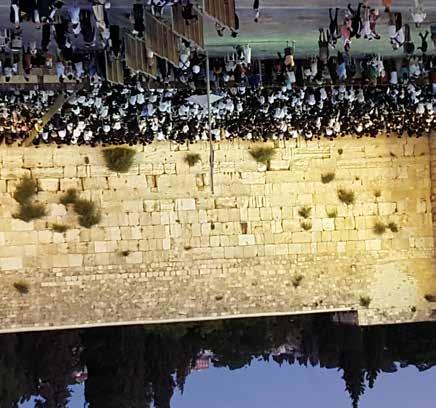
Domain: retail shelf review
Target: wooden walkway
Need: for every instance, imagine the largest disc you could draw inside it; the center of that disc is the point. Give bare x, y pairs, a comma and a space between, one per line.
161, 39
136, 57
222, 11
114, 69
192, 32
58, 103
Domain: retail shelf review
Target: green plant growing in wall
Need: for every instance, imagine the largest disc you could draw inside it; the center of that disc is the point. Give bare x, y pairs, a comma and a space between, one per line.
21, 287
296, 280
306, 225
25, 190
69, 197
191, 159
379, 228
346, 196
332, 213
262, 154
28, 210
305, 211
393, 227
88, 213
327, 177
119, 159
61, 228
365, 301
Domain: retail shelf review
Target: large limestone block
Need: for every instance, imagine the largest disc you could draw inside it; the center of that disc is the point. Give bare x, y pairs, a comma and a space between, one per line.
95, 183
13, 160
49, 184
225, 202
278, 165
13, 173
301, 237
73, 183
65, 157
387, 208
48, 172
247, 239
328, 224
185, 204
11, 263
373, 244
75, 260
253, 178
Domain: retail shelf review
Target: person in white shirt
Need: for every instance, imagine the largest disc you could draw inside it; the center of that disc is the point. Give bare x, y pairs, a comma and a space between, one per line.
60, 71
418, 13
74, 12
247, 54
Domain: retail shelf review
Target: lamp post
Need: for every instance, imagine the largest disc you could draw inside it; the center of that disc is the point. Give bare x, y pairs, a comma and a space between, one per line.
209, 115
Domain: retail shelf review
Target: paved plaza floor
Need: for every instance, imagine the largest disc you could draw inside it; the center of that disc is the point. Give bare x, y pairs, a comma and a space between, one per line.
280, 21
299, 20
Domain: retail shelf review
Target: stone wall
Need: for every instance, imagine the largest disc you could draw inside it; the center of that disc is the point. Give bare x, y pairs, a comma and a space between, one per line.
194, 255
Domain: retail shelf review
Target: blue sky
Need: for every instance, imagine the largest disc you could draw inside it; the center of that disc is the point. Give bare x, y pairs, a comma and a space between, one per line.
269, 385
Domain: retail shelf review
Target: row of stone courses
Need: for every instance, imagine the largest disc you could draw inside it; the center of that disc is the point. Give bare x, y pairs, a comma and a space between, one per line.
166, 249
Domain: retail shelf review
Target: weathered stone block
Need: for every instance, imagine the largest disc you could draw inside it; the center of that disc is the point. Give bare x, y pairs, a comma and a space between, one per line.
373, 244
278, 165
185, 204
386, 208
247, 239
11, 263
49, 184
75, 260
73, 183
328, 224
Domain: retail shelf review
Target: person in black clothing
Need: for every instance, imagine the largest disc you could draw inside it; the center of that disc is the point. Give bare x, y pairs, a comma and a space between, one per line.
44, 9
408, 46
46, 31
61, 28
219, 29
424, 44
115, 39
356, 20
87, 29
333, 26
138, 19
256, 11
188, 13
15, 13
235, 31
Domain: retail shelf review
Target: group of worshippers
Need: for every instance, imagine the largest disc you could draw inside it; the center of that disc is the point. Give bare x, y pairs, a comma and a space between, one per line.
286, 70
20, 111
63, 23
361, 22
130, 114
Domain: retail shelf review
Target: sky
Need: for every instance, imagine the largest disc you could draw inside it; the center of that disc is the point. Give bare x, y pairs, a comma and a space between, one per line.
269, 385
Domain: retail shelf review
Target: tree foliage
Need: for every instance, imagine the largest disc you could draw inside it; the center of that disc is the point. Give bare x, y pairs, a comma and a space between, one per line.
142, 365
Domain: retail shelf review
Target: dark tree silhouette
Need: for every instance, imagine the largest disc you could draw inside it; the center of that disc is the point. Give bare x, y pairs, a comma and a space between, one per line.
133, 367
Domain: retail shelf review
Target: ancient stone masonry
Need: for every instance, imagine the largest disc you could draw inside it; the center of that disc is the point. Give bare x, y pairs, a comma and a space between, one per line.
167, 250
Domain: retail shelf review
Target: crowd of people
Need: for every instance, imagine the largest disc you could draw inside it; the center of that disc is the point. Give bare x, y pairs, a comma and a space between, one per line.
360, 22
329, 95
115, 114
20, 112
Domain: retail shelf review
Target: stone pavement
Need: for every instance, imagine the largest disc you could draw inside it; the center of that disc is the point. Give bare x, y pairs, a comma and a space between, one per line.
280, 21
192, 255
